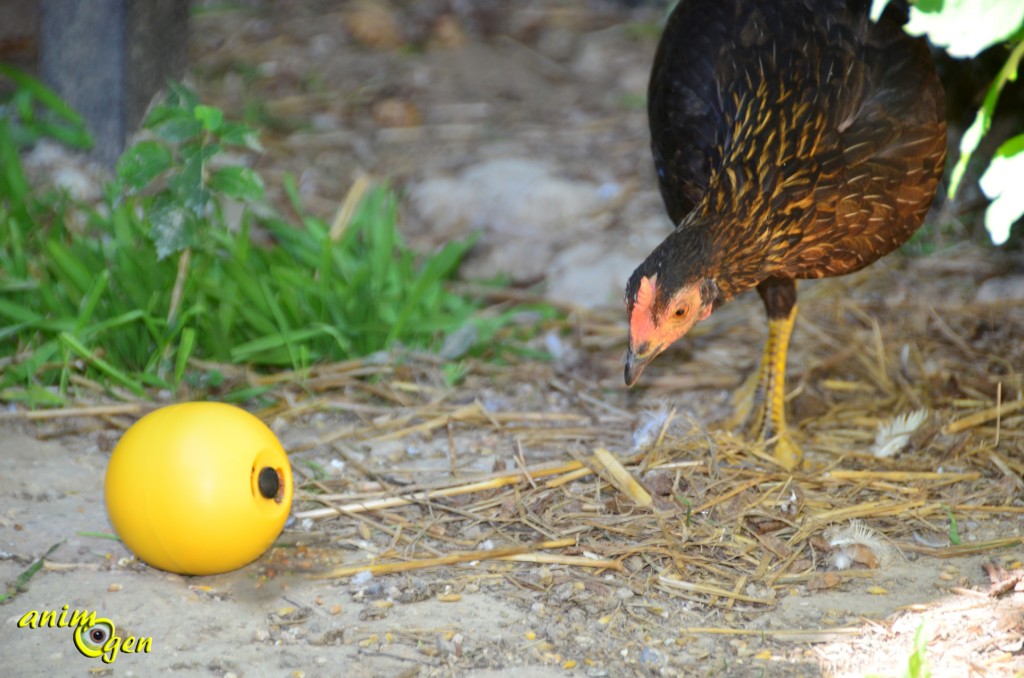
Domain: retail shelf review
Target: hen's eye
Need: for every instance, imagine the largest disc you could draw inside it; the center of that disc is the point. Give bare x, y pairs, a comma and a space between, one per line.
680, 312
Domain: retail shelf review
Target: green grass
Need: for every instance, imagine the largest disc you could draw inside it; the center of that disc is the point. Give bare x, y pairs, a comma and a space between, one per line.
20, 584
917, 663
157, 277
954, 532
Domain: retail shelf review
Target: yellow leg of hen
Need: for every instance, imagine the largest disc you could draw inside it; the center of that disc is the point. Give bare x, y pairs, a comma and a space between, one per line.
773, 417
760, 403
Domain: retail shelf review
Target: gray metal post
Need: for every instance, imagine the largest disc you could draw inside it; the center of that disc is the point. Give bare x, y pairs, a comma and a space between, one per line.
107, 58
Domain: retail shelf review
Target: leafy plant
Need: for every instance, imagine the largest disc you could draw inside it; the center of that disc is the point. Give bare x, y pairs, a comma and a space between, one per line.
965, 28
159, 276
188, 136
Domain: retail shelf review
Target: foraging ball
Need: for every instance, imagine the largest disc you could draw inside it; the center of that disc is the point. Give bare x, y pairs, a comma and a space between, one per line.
198, 488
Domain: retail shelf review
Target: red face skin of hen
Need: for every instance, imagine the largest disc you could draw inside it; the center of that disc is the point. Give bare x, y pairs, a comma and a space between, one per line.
651, 331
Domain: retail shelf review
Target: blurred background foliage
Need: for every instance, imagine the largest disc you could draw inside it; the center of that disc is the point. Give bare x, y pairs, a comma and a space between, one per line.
965, 29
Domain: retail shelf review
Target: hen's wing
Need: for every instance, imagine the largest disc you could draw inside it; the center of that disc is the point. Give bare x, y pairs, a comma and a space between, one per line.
684, 105
709, 51
893, 147
820, 132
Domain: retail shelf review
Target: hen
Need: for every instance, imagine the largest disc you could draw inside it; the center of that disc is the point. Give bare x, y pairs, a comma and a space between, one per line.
792, 139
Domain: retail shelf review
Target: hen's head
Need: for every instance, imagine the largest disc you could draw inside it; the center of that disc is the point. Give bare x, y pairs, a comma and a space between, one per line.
660, 311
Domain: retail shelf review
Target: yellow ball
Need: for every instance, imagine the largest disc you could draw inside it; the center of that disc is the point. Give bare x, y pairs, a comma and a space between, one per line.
198, 488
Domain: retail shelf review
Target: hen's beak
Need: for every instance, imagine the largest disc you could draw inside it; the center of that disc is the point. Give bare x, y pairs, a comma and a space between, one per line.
637, 360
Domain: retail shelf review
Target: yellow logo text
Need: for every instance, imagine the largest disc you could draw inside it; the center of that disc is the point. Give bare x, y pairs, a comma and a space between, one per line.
95, 637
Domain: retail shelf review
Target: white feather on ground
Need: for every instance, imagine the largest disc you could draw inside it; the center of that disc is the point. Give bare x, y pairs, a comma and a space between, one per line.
857, 544
893, 435
651, 424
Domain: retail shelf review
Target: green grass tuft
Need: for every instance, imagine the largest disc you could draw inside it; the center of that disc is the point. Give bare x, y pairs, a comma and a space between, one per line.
158, 277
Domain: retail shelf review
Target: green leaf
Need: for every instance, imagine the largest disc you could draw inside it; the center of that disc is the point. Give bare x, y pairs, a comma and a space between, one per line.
970, 140
98, 535
187, 184
1001, 182
79, 349
44, 94
91, 299
118, 321
70, 267
280, 339
173, 124
180, 96
436, 269
983, 120
185, 348
35, 397
18, 314
62, 123
171, 228
211, 118
240, 183
291, 189
966, 28
142, 163
13, 184
161, 113
240, 134
954, 532
917, 663
178, 130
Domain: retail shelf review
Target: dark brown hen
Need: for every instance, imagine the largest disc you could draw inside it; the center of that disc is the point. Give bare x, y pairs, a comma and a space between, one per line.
792, 139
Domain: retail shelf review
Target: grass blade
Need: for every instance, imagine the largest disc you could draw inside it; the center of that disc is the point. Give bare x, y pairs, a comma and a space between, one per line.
79, 349
185, 348
21, 583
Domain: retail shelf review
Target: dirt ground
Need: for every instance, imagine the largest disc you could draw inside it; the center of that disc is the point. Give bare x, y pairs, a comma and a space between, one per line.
413, 92
498, 618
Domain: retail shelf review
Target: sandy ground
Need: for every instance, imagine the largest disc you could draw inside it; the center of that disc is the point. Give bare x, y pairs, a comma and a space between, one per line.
491, 619
503, 619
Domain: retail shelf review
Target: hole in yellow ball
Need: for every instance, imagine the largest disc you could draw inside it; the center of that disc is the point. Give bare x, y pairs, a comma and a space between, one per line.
269, 483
